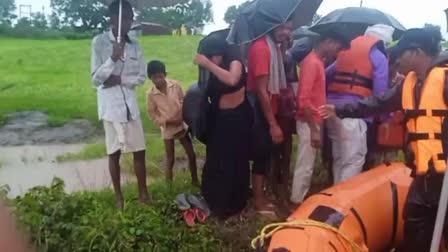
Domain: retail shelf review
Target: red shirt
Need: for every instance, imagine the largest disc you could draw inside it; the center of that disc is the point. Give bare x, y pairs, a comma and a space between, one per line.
312, 87
259, 64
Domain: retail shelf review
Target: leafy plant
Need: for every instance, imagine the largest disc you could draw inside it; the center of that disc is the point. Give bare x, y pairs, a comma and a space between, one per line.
88, 221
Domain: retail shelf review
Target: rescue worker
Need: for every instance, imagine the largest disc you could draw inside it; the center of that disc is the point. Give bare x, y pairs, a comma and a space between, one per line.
358, 72
424, 98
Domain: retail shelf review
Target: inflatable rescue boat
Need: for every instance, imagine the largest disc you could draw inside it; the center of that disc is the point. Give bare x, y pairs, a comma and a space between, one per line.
361, 214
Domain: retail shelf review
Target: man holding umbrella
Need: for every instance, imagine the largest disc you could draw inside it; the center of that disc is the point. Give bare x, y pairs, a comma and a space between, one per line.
118, 67
265, 24
266, 76
424, 98
358, 72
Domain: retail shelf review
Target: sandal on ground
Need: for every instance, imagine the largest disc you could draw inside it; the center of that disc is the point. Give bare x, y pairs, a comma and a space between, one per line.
270, 214
189, 217
200, 203
200, 215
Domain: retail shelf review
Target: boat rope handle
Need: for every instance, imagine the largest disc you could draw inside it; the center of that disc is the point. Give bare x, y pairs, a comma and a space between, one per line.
265, 233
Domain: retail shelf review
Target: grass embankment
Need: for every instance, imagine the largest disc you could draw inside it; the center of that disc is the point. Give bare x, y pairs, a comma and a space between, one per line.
53, 76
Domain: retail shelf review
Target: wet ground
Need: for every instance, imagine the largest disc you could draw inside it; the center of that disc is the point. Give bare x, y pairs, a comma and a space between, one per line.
24, 167
31, 128
28, 151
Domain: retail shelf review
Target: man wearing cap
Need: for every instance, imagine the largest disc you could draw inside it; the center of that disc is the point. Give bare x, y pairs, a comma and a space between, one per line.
359, 72
424, 98
117, 68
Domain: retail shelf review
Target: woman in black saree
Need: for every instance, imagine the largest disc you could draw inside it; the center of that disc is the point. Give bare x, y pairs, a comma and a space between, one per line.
226, 174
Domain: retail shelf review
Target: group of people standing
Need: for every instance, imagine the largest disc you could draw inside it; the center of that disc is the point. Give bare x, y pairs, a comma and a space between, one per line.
256, 104
274, 100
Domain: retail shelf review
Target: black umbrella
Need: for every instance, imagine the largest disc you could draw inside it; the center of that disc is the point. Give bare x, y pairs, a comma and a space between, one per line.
356, 20
261, 16
143, 4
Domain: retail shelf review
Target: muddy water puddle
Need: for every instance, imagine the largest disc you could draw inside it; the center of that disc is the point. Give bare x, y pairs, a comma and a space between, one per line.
24, 167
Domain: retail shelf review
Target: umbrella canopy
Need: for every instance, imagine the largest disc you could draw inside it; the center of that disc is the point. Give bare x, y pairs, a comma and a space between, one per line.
303, 32
262, 16
139, 4
143, 4
357, 19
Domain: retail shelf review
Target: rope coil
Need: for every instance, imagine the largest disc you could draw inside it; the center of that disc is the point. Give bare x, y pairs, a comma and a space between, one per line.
265, 233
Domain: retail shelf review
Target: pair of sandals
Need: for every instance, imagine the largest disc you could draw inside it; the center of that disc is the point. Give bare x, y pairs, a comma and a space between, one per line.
193, 208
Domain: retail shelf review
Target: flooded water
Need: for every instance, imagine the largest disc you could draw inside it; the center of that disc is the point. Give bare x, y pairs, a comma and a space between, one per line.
25, 167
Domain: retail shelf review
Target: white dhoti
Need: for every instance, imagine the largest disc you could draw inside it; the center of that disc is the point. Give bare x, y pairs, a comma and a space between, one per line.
127, 137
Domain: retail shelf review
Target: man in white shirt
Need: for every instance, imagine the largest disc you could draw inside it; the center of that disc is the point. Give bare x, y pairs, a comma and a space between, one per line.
117, 69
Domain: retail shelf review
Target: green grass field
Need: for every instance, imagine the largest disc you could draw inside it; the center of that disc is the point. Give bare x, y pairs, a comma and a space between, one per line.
54, 75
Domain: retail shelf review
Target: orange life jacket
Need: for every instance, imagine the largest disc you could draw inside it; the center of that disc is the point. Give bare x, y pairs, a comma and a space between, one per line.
391, 134
354, 70
427, 123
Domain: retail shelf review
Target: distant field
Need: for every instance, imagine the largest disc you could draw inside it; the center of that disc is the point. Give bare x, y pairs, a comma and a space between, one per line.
54, 75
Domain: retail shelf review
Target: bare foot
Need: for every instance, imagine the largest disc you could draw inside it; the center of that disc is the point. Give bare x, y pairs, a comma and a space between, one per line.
263, 204
195, 183
146, 200
120, 203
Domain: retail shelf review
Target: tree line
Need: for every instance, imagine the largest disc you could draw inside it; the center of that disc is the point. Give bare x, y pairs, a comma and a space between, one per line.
91, 15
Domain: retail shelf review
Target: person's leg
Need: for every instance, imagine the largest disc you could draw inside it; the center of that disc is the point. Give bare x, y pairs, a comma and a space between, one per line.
327, 155
418, 228
169, 151
114, 169
419, 219
374, 154
260, 200
192, 165
306, 156
336, 133
353, 149
140, 171
113, 147
275, 171
261, 154
285, 171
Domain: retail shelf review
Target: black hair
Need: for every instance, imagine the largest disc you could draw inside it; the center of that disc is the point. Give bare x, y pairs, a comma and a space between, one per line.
156, 67
436, 39
335, 36
336, 33
215, 44
114, 7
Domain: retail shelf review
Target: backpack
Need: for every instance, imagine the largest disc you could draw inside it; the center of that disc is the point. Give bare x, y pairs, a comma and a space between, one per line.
196, 107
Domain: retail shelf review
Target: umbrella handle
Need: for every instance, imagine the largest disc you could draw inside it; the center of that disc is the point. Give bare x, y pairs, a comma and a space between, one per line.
441, 213
120, 17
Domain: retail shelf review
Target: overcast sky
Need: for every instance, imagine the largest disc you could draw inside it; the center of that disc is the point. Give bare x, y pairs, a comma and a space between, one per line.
409, 13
